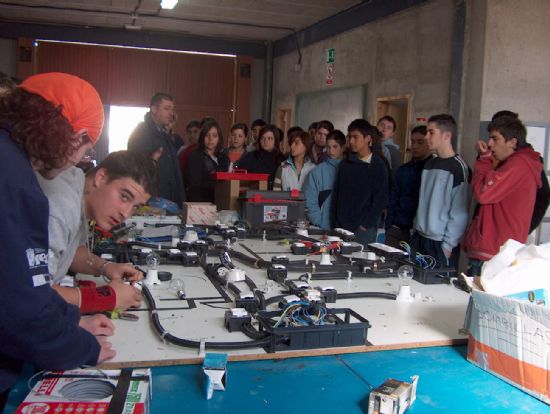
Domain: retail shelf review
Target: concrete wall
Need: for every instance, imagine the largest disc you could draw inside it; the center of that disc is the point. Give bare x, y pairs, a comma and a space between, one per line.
8, 56
257, 94
517, 59
407, 53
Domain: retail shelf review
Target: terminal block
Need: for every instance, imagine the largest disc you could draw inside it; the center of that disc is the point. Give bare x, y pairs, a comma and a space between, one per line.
277, 272
235, 318
247, 301
280, 260
329, 294
297, 287
189, 259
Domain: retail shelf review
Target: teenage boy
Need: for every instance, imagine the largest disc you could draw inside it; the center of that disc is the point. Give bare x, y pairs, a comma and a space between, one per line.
506, 194
108, 195
320, 182
404, 195
319, 149
387, 126
361, 188
442, 214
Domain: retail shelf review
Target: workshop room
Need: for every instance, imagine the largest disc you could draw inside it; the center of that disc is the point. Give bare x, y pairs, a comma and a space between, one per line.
274, 206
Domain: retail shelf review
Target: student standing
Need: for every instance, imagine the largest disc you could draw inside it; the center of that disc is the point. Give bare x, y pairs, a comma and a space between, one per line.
237, 144
319, 150
203, 162
406, 190
506, 194
319, 183
267, 158
442, 214
361, 188
292, 173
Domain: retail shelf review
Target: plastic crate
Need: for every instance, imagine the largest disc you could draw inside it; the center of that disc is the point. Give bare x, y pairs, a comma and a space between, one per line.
341, 333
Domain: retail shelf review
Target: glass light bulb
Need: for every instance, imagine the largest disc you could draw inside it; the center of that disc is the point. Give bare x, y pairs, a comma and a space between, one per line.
177, 286
405, 274
153, 261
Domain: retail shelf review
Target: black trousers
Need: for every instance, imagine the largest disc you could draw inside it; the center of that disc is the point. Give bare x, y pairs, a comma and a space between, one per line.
422, 245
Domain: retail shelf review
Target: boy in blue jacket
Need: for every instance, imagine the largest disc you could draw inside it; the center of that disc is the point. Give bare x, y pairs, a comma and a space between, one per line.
320, 182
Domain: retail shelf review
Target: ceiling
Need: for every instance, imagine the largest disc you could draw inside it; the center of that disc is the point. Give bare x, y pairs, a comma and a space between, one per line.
251, 20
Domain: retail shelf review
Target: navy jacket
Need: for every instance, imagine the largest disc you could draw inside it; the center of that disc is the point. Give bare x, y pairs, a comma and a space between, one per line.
404, 195
360, 193
147, 138
36, 324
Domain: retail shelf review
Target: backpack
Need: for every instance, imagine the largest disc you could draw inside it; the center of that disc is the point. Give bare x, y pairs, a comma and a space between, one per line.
542, 200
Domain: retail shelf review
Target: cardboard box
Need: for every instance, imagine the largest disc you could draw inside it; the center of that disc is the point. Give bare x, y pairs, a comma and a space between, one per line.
77, 391
511, 339
200, 213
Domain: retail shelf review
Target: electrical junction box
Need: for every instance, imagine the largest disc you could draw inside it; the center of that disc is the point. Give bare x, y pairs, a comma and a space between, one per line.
190, 259
90, 391
235, 318
393, 396
277, 272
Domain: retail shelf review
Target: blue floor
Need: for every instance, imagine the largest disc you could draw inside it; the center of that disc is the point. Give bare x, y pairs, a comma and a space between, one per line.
448, 384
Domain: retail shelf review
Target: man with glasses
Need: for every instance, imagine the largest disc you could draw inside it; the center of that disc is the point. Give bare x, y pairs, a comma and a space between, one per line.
108, 195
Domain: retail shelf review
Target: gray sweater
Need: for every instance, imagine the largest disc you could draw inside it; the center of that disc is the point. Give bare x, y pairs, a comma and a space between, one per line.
67, 221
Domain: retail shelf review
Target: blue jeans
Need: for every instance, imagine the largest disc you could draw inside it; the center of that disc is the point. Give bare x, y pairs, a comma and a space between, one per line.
366, 236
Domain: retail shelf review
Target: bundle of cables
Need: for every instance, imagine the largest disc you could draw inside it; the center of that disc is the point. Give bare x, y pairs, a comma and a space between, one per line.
424, 260
302, 313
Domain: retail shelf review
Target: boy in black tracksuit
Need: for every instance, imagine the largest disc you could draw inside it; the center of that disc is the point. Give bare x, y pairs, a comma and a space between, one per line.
361, 188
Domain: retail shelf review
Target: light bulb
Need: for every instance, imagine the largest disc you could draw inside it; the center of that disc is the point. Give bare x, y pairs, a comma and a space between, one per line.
178, 287
405, 274
153, 261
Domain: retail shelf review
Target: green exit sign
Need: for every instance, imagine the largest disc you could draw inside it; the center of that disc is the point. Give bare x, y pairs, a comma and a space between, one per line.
330, 55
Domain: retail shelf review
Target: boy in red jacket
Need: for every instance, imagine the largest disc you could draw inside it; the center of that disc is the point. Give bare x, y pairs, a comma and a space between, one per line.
506, 193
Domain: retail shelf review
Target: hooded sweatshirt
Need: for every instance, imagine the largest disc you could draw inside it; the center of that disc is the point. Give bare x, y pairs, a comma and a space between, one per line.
317, 190
506, 197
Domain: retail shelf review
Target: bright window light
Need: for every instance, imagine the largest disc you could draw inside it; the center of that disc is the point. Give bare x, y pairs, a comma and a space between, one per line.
122, 121
168, 4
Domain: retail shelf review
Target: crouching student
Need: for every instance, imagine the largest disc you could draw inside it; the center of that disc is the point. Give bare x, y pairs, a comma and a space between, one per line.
320, 182
108, 195
46, 125
361, 187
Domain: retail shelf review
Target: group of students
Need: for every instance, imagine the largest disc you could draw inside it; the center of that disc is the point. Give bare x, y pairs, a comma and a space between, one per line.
51, 120
47, 124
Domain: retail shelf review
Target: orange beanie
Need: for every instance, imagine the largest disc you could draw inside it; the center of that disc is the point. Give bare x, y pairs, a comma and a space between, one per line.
81, 104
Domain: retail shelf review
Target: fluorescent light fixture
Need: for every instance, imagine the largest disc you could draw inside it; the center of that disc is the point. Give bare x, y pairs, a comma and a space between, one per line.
168, 4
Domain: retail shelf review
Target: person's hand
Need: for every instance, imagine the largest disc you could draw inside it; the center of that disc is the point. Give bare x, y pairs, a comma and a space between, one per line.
118, 271
483, 149
447, 253
157, 154
106, 351
362, 228
127, 296
97, 325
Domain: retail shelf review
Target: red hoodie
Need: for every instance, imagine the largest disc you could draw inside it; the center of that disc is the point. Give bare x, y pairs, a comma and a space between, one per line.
506, 198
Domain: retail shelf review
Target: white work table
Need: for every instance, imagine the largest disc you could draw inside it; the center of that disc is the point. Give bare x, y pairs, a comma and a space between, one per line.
436, 318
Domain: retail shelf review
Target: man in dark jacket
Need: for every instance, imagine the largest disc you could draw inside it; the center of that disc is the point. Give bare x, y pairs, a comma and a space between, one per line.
151, 137
405, 193
361, 188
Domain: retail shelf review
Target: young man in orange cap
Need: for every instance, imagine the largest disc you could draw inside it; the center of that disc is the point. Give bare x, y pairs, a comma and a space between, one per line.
46, 125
